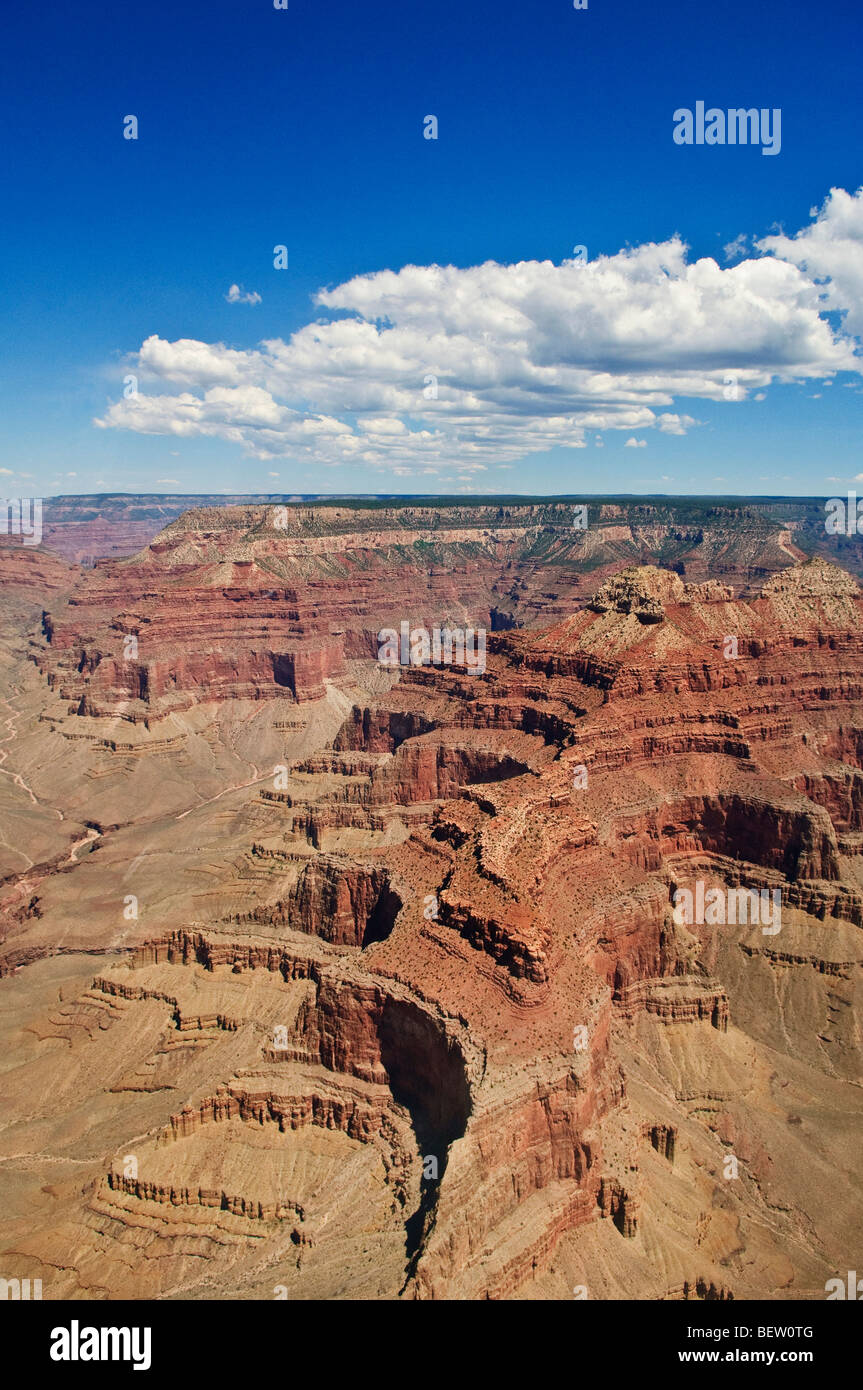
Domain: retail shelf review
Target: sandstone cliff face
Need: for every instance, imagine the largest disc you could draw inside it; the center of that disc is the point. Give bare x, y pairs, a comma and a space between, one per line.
348, 906
259, 602
32, 571
703, 540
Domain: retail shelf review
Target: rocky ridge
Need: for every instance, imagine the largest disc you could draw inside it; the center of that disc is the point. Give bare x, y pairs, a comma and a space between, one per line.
436, 1031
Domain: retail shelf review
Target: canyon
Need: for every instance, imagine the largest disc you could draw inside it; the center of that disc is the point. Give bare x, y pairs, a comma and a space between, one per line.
323, 979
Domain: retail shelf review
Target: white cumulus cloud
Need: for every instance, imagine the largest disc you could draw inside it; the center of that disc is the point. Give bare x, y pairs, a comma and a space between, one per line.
830, 250
440, 366
237, 295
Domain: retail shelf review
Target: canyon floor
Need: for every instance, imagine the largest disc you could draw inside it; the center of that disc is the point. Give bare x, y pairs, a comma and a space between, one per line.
321, 979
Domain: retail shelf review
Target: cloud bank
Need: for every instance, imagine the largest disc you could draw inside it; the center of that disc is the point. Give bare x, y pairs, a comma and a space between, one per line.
434, 366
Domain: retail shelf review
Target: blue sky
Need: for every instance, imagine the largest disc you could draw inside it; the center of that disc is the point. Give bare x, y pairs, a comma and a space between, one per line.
304, 127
